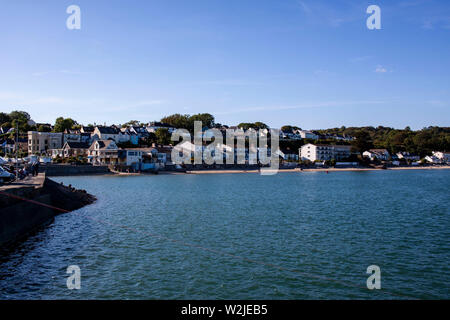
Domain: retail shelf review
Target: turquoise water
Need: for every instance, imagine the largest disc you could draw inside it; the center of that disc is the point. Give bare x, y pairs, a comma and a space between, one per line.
243, 236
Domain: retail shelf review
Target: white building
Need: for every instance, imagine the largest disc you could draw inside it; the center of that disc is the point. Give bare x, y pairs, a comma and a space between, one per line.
442, 156
133, 157
103, 152
289, 136
407, 156
322, 152
380, 154
110, 133
307, 134
432, 159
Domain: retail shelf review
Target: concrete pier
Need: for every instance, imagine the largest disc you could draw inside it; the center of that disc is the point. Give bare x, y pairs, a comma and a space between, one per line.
29, 181
28, 204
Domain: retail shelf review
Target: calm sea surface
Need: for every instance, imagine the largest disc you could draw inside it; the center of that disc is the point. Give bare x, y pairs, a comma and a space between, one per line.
243, 236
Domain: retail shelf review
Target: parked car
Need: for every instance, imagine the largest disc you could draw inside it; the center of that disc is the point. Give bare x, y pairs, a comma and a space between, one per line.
6, 176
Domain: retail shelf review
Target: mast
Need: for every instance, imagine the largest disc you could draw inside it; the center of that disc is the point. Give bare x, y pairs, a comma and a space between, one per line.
17, 150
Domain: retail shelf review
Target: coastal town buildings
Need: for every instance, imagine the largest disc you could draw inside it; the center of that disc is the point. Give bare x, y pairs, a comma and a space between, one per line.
75, 149
164, 154
304, 134
289, 136
89, 130
132, 136
76, 136
432, 159
111, 145
153, 126
103, 152
132, 157
380, 154
140, 132
407, 156
288, 154
40, 142
443, 157
8, 146
141, 159
322, 152
105, 133
112, 133
341, 152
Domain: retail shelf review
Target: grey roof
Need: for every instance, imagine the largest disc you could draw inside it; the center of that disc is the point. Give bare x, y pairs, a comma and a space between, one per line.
102, 144
77, 145
108, 130
88, 129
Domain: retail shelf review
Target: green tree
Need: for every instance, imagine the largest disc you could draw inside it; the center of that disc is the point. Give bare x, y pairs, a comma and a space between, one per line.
257, 125
21, 119
206, 119
162, 136
44, 128
4, 118
21, 116
261, 125
133, 123
150, 139
62, 124
289, 128
362, 141
177, 120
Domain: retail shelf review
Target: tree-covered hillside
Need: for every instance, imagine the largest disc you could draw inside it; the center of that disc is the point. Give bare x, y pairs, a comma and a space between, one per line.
421, 142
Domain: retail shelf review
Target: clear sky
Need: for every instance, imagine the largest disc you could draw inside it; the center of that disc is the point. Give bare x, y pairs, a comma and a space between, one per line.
309, 63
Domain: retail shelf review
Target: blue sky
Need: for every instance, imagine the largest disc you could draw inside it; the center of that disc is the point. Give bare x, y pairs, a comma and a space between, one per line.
309, 63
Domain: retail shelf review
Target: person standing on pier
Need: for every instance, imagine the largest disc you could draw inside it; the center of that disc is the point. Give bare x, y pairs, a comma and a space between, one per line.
35, 168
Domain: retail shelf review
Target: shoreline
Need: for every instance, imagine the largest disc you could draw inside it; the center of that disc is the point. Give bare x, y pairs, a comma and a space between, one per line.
218, 171
234, 171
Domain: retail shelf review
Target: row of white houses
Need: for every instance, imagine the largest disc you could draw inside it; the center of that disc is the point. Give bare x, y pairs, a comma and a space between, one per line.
321, 152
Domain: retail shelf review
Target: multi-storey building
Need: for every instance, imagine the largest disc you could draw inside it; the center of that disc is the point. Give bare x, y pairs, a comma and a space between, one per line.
103, 152
40, 142
322, 152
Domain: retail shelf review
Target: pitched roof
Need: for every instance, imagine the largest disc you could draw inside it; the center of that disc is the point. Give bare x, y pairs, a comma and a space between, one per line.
103, 144
88, 129
76, 145
72, 131
108, 130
